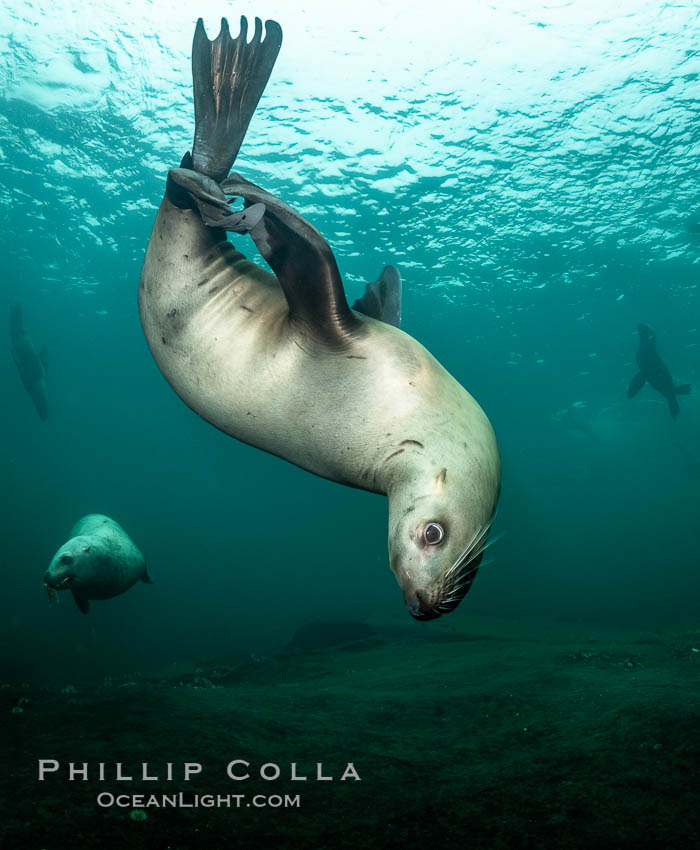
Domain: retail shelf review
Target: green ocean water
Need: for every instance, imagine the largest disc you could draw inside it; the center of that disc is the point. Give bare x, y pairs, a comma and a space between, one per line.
531, 169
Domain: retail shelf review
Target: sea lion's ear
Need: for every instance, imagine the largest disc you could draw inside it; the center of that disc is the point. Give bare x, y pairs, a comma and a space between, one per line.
86, 549
441, 479
303, 263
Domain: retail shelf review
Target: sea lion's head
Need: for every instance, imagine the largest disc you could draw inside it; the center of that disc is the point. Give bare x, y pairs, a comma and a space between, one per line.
646, 334
437, 537
65, 568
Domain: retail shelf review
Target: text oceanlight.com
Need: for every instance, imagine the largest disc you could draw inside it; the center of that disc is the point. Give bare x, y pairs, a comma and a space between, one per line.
183, 800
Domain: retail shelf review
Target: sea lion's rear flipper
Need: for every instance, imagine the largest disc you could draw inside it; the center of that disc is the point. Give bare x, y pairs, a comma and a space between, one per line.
636, 384
146, 577
683, 389
81, 602
229, 76
189, 188
304, 264
382, 299
673, 406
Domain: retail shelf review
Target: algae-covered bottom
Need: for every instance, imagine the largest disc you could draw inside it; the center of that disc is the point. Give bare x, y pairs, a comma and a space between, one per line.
495, 738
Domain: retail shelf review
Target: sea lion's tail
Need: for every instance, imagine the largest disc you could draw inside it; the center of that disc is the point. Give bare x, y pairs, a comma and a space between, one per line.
229, 76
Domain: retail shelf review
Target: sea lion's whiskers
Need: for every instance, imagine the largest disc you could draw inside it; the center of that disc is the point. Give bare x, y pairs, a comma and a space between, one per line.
472, 550
458, 579
482, 548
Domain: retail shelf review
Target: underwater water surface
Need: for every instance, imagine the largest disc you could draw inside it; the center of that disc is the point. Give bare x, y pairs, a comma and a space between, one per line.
531, 170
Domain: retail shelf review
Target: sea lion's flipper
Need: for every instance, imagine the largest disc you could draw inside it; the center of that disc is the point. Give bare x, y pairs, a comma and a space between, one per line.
81, 602
211, 202
636, 384
683, 389
44, 357
229, 76
673, 406
304, 264
146, 577
382, 299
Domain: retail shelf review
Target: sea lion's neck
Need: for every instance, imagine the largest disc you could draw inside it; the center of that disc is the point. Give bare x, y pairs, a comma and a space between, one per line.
401, 472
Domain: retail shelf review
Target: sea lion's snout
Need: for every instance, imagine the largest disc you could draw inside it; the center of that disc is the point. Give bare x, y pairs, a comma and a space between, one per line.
59, 575
418, 607
58, 582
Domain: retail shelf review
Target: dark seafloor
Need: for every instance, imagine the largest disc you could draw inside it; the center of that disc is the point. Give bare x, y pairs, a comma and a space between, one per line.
486, 736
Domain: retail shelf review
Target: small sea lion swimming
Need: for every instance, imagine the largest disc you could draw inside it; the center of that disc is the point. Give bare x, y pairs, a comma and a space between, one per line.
281, 361
98, 562
32, 367
653, 370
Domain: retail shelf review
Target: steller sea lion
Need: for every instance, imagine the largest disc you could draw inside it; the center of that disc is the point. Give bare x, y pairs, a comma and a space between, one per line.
281, 362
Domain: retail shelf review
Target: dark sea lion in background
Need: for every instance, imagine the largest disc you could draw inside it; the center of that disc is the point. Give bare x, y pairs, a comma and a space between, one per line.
653, 370
32, 367
98, 562
281, 361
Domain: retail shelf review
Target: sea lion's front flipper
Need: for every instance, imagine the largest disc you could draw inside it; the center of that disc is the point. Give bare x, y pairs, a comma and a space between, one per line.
382, 299
304, 264
229, 76
683, 389
82, 603
44, 357
636, 384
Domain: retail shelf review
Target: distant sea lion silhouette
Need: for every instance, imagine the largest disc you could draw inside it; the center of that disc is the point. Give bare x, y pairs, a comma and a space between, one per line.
98, 562
32, 367
576, 419
282, 363
652, 369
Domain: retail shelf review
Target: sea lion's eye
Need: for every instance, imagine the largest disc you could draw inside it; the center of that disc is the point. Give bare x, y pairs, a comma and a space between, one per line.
433, 534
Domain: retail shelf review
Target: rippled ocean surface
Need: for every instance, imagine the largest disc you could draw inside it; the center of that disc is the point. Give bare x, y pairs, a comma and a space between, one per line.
531, 169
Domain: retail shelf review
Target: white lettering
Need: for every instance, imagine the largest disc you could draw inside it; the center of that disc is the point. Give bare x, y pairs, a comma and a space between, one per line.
192, 767
294, 773
275, 771
145, 774
74, 771
230, 766
119, 775
47, 766
319, 772
350, 773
